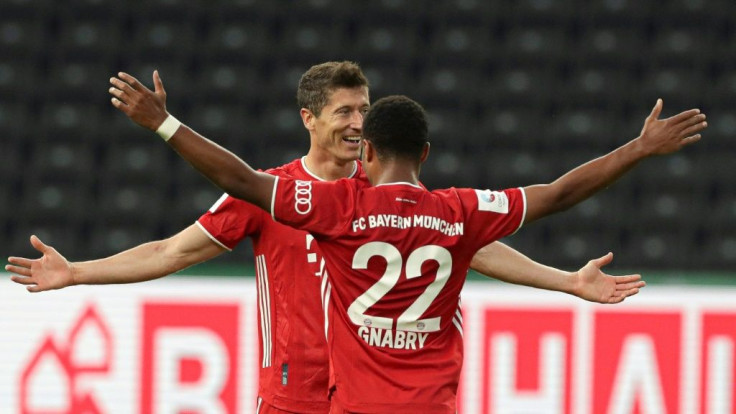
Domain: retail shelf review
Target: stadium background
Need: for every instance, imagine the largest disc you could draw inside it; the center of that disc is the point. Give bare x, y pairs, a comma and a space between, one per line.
518, 92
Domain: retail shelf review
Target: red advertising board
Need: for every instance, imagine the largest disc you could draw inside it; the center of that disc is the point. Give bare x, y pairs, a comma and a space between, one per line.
188, 346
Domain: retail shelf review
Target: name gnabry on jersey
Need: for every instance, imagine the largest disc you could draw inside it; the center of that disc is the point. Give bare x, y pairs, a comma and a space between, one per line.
400, 222
387, 338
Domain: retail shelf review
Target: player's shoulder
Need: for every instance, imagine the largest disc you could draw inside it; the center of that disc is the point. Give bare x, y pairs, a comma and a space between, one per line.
291, 169
455, 197
449, 193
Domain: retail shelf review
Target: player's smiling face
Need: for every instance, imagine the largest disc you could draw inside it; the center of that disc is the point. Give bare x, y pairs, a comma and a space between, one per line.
339, 127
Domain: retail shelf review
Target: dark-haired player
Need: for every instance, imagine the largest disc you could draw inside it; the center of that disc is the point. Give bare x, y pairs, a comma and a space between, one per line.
397, 254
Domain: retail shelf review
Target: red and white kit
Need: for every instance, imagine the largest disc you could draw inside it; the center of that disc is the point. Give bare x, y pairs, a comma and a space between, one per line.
289, 267
396, 257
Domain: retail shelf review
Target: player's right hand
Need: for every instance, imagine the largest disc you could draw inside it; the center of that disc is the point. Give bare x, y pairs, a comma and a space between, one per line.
50, 271
145, 107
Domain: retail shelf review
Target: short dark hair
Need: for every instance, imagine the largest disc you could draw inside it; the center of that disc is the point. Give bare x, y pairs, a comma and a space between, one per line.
397, 127
316, 84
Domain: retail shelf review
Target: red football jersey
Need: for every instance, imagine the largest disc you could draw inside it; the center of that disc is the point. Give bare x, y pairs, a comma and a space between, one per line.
396, 257
294, 368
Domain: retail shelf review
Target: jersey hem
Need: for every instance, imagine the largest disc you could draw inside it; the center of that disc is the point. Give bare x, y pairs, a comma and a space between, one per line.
408, 408
297, 406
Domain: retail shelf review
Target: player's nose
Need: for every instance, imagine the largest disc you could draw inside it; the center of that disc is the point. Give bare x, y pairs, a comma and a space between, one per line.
356, 120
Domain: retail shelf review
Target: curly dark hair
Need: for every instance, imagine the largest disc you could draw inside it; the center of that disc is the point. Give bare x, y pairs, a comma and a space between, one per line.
316, 84
397, 127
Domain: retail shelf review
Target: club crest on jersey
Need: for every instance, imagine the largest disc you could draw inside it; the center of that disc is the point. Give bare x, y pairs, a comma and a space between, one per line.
494, 201
302, 196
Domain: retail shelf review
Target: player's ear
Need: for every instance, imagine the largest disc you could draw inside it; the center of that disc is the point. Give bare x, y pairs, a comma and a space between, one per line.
307, 118
369, 151
425, 153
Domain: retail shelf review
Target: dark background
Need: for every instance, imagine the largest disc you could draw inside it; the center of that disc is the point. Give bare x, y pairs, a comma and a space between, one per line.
518, 92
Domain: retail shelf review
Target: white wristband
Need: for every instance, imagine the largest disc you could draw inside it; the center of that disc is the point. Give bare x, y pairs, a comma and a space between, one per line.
168, 128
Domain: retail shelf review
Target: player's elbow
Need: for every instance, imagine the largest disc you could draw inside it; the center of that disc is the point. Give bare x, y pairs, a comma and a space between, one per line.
238, 186
252, 187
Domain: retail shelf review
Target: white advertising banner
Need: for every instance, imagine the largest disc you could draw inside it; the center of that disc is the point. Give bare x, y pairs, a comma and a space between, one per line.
189, 345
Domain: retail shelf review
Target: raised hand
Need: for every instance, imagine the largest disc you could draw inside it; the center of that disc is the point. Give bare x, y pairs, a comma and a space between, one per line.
595, 286
665, 136
145, 107
50, 271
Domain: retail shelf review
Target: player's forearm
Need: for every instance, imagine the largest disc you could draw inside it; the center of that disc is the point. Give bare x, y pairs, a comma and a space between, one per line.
595, 175
586, 180
222, 167
142, 263
501, 262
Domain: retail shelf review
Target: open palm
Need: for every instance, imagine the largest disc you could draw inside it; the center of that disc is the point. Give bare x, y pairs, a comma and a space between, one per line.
596, 286
50, 271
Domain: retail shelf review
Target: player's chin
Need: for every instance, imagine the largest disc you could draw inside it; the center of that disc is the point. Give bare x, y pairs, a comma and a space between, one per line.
351, 152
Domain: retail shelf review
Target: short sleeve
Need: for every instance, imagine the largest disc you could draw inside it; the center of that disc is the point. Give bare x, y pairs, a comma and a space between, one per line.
230, 220
319, 207
494, 214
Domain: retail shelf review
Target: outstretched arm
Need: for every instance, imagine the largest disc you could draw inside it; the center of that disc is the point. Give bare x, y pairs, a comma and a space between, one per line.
141, 263
501, 262
658, 136
148, 109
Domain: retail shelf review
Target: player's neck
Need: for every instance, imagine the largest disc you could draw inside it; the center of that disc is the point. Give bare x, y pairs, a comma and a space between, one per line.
328, 168
395, 172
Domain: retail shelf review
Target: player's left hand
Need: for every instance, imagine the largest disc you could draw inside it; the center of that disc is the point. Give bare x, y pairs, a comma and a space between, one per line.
665, 136
145, 107
595, 286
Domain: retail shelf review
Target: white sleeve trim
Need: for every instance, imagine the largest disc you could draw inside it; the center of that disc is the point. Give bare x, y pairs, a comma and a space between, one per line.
273, 197
219, 202
523, 213
211, 236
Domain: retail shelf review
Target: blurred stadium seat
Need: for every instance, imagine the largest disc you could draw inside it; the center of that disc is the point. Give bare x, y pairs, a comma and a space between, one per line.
583, 129
450, 86
18, 80
677, 86
21, 38
469, 46
59, 234
105, 239
91, 39
536, 12
63, 161
227, 83
388, 80
385, 43
604, 43
597, 86
134, 162
143, 204
522, 85
541, 46
46, 201
68, 121
14, 119
230, 40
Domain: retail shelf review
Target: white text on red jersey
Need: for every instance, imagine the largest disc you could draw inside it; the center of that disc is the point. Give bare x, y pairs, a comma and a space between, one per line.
400, 222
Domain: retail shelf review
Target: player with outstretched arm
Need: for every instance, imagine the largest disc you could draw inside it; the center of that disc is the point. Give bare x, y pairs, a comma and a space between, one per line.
293, 367
397, 254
